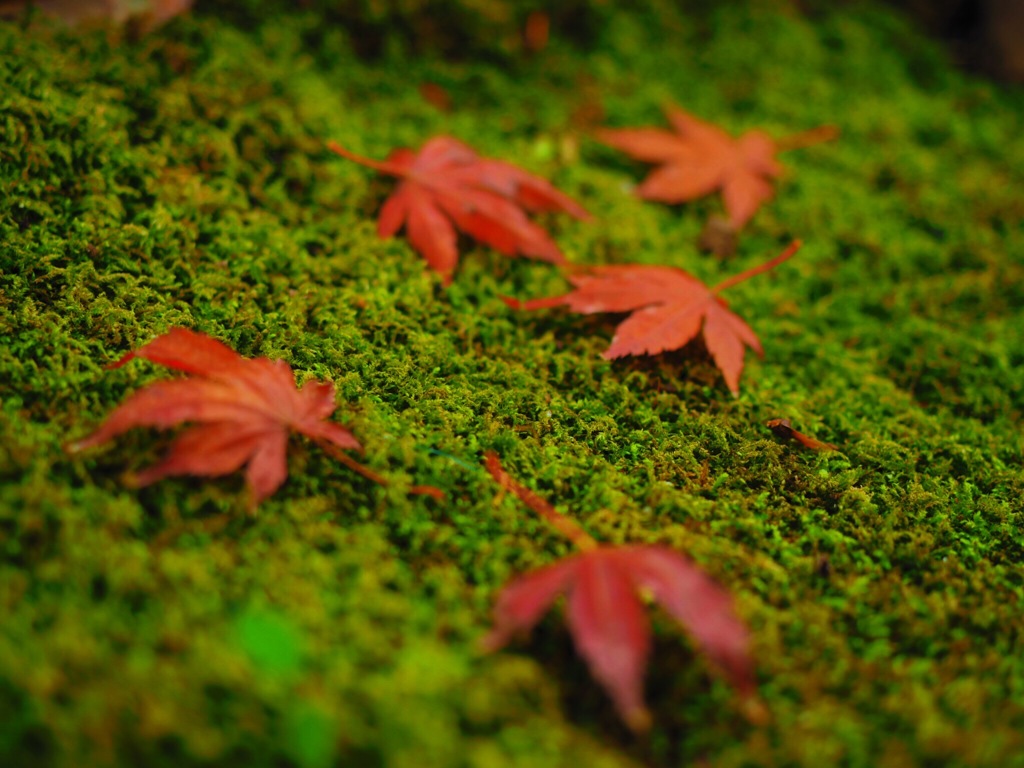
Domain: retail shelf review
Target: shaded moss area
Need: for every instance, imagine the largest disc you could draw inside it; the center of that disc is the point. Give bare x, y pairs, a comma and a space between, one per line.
181, 180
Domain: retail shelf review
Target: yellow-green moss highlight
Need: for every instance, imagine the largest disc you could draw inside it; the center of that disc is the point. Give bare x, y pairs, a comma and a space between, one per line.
180, 180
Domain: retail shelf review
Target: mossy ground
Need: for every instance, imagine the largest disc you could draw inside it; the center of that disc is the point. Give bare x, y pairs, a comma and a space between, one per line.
181, 180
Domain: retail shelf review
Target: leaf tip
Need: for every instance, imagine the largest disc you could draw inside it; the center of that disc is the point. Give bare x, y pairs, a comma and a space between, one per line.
619, 348
493, 641
122, 361
83, 443
638, 719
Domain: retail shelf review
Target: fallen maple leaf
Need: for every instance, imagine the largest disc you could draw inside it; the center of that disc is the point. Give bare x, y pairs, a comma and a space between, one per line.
670, 308
246, 408
699, 158
784, 429
446, 185
604, 585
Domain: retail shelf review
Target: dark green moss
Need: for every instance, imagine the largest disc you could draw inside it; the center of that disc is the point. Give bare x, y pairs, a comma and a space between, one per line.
181, 180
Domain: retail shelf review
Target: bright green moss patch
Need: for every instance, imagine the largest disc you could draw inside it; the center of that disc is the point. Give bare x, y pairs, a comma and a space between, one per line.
181, 181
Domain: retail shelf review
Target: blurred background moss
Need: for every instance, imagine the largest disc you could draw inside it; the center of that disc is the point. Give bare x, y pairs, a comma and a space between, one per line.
987, 35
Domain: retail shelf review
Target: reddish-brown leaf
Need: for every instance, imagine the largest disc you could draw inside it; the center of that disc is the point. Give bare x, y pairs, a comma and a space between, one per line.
245, 409
670, 308
603, 585
446, 187
699, 158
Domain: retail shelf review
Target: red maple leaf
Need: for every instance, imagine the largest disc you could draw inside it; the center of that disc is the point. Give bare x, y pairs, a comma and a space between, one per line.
670, 308
245, 409
699, 158
603, 586
446, 185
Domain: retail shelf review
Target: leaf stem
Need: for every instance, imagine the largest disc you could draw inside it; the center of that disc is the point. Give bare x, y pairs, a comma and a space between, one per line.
566, 526
336, 453
768, 265
808, 138
377, 165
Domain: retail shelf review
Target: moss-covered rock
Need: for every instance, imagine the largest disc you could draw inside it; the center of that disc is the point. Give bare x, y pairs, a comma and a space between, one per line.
181, 180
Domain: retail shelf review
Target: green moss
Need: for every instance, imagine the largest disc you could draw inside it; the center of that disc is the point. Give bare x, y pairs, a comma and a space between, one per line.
181, 180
